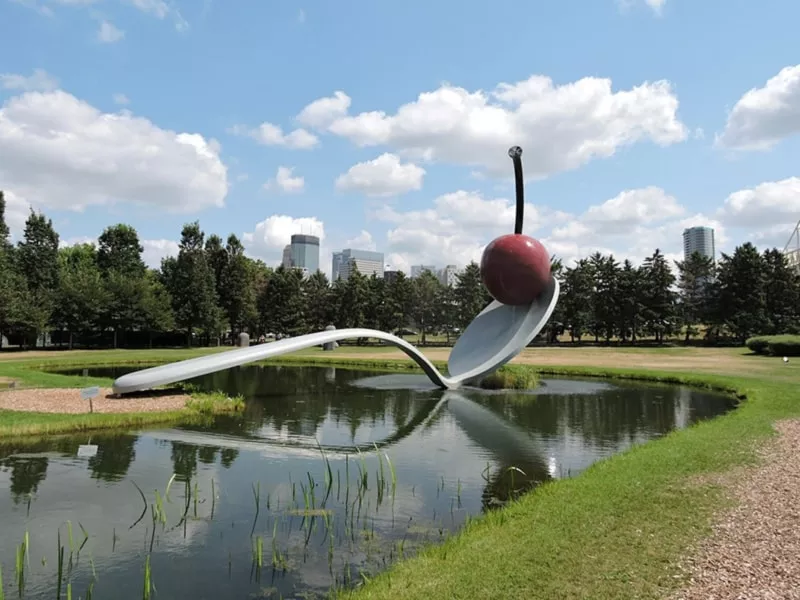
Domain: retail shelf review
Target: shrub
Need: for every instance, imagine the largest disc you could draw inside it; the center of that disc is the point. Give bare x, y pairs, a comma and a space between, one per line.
758, 344
784, 345
510, 378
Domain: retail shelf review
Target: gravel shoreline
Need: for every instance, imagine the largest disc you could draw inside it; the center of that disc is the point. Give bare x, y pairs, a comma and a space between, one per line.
69, 401
754, 550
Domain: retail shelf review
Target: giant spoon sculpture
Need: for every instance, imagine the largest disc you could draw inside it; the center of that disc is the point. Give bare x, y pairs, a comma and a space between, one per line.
516, 271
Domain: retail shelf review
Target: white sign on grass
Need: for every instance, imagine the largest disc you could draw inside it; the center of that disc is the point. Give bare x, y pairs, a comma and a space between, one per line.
90, 392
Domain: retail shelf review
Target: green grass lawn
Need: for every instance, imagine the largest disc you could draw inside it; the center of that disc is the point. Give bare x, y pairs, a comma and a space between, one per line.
616, 531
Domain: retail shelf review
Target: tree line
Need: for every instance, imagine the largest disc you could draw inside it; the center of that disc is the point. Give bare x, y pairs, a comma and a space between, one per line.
103, 294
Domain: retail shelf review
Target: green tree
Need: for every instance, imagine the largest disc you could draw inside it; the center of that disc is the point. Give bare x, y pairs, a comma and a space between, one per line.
740, 298
119, 251
375, 300
11, 284
192, 286
782, 293
317, 294
577, 299
397, 303
157, 313
281, 305
659, 297
424, 310
236, 289
695, 275
631, 301
36, 259
82, 296
471, 294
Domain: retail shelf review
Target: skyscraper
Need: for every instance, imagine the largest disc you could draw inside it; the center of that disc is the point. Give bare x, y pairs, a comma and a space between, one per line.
286, 261
367, 263
699, 239
448, 276
305, 252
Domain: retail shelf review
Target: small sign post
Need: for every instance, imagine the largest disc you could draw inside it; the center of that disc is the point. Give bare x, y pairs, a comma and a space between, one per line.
88, 394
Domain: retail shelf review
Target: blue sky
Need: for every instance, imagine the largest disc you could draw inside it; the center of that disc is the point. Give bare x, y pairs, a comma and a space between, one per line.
640, 130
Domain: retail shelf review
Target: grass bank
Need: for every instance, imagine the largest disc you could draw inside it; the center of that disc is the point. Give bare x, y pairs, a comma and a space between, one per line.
617, 530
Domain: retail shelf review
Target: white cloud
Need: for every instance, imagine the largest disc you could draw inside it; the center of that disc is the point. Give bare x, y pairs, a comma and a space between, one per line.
161, 10
155, 250
459, 225
38, 81
57, 151
380, 177
272, 234
17, 211
108, 33
768, 204
764, 116
363, 241
121, 99
560, 127
656, 5
285, 182
272, 135
42, 9
323, 112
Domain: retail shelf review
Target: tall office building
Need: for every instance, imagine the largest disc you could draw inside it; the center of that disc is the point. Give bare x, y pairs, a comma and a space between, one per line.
699, 239
417, 270
448, 276
286, 261
305, 252
367, 263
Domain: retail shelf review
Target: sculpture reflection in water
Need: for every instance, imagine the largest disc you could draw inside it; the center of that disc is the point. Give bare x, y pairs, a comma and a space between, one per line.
515, 268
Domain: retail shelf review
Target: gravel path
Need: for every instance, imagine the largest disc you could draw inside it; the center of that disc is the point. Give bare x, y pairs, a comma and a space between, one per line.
69, 401
754, 551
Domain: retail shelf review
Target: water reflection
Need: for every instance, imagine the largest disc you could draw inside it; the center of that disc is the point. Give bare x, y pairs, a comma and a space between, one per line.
321, 523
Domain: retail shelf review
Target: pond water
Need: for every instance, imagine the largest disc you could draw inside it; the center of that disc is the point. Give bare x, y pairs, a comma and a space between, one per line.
292, 499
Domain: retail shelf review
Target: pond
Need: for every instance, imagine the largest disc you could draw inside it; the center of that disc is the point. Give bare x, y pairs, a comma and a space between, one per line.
328, 477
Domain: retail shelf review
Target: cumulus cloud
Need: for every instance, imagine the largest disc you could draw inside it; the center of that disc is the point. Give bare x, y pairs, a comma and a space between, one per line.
456, 229
766, 205
59, 152
268, 238
560, 126
38, 81
121, 99
380, 177
108, 33
285, 182
269, 134
764, 116
363, 241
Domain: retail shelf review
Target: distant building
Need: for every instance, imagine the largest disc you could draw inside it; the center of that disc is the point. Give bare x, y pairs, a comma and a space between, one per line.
390, 276
417, 270
448, 276
366, 261
304, 251
699, 239
286, 261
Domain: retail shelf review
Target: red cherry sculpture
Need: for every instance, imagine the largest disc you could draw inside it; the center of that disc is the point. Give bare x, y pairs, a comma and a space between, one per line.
515, 268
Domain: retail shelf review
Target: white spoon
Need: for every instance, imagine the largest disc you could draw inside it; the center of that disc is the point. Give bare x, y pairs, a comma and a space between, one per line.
497, 335
494, 337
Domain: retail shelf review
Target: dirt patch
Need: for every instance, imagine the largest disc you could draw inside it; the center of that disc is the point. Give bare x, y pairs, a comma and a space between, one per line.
69, 401
681, 359
752, 552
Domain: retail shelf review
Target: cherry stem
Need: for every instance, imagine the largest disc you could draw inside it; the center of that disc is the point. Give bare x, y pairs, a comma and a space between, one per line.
515, 152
